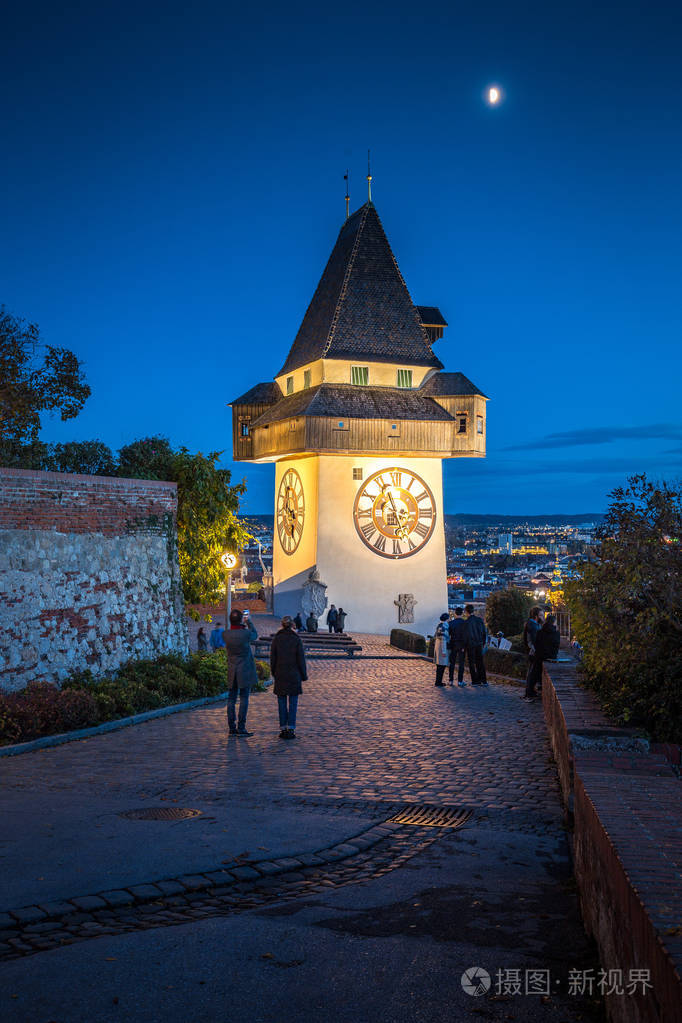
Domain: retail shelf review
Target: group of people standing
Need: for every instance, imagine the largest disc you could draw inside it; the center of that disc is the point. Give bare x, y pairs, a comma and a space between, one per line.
287, 664
541, 641
465, 636
336, 619
456, 639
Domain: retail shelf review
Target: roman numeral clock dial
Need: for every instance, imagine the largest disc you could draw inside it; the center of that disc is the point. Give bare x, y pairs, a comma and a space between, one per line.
394, 513
290, 511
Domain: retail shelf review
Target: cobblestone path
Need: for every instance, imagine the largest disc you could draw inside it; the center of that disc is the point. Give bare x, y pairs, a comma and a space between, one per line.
373, 735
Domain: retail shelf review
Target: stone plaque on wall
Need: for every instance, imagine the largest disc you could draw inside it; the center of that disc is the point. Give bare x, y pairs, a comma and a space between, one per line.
405, 604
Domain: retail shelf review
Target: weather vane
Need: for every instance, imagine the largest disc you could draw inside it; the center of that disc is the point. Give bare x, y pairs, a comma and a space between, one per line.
369, 180
346, 178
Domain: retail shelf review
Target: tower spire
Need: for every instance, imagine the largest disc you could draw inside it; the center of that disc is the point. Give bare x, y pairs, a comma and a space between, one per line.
346, 179
369, 180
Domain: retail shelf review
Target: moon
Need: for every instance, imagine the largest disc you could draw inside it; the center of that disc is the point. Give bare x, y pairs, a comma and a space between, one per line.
493, 95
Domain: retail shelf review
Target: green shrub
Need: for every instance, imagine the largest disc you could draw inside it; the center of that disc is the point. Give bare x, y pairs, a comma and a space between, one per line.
405, 640
517, 644
10, 729
210, 671
505, 662
42, 709
507, 611
626, 609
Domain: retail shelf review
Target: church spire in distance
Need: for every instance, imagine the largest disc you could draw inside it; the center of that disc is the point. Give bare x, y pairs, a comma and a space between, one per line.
369, 180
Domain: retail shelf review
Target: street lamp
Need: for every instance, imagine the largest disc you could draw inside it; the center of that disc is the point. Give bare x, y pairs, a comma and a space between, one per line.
229, 562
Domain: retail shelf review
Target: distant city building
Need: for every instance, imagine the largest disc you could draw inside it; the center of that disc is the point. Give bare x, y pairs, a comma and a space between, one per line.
504, 542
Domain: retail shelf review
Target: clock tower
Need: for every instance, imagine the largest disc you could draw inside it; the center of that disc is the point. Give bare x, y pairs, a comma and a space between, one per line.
357, 422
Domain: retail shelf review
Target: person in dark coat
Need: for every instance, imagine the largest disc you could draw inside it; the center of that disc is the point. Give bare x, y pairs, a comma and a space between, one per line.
475, 641
287, 663
332, 615
547, 642
298, 621
241, 669
341, 616
202, 642
458, 647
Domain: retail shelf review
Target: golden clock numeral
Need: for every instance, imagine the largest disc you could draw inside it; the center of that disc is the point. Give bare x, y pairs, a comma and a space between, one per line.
368, 531
380, 544
426, 513
366, 513
411, 545
410, 484
396, 547
396, 478
421, 497
421, 529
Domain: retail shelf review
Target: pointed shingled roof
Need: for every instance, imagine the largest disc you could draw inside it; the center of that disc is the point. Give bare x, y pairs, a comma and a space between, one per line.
361, 308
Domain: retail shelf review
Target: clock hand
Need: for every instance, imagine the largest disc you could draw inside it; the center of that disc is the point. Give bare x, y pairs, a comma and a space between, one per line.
400, 532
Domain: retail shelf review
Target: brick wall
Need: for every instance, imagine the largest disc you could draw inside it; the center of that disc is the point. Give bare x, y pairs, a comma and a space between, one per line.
89, 574
626, 805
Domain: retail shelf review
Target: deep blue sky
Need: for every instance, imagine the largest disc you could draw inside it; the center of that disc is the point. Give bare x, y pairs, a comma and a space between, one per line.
172, 185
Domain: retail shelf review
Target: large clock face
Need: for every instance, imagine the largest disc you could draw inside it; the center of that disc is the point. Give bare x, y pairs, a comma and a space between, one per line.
394, 513
290, 511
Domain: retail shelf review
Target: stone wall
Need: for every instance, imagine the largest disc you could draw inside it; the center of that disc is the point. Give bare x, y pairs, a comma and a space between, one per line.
89, 574
626, 806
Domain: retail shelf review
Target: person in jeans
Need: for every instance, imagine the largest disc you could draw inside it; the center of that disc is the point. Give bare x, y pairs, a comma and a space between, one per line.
457, 647
241, 669
332, 615
288, 667
475, 641
547, 642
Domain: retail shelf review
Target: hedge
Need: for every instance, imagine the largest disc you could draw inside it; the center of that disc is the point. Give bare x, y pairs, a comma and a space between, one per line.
405, 640
44, 709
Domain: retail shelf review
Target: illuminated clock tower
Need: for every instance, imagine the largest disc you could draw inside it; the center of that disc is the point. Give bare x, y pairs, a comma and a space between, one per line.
357, 422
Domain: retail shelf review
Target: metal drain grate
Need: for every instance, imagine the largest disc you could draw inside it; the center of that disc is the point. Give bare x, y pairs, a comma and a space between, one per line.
161, 813
432, 816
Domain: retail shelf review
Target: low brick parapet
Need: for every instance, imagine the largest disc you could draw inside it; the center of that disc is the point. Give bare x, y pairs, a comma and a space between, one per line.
626, 803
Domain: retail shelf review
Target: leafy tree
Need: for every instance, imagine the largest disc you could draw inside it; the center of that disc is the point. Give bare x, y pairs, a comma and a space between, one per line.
627, 608
90, 457
148, 459
208, 504
35, 378
507, 610
36, 454
207, 523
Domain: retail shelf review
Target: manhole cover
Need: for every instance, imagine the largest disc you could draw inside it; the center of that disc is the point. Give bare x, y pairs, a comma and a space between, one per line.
160, 813
432, 817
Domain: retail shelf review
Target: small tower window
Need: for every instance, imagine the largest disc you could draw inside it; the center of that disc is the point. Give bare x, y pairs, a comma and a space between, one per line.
359, 375
357, 474
290, 385
404, 378
461, 422
307, 377
244, 429
479, 424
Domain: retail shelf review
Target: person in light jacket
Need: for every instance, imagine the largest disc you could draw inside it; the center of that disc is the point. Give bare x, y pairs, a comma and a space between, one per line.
441, 657
288, 667
241, 668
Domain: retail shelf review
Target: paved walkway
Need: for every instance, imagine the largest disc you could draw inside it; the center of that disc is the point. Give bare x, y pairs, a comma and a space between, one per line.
402, 915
